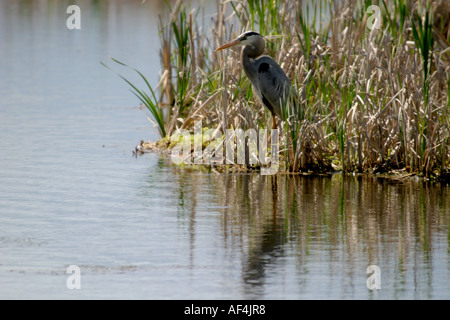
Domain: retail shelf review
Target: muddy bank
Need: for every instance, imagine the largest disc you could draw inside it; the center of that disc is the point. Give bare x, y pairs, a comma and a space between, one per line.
384, 175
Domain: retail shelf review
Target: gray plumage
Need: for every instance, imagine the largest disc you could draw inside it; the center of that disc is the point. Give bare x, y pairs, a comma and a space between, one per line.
269, 81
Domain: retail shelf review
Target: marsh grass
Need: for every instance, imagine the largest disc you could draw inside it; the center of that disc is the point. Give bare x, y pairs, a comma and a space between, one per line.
374, 100
151, 102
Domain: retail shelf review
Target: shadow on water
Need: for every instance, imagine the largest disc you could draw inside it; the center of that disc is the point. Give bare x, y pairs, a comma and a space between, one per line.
326, 231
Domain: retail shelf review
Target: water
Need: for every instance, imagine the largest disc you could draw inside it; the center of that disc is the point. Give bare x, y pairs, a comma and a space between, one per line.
71, 193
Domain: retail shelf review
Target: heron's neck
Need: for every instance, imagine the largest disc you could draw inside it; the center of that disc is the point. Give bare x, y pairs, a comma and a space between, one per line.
251, 51
248, 56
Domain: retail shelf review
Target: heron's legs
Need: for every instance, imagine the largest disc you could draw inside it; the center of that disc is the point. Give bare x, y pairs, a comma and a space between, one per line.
274, 122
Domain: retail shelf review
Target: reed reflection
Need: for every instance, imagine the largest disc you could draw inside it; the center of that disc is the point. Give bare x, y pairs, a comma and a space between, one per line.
329, 227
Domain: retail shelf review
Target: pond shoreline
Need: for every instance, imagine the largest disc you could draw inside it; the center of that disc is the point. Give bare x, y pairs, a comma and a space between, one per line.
389, 176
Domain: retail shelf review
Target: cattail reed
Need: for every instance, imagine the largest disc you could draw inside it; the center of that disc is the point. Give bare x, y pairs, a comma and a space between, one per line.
375, 99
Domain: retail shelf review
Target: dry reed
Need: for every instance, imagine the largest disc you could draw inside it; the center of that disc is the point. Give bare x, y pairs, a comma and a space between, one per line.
369, 106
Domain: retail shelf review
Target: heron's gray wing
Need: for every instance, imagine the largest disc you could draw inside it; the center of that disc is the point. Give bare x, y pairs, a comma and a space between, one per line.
273, 84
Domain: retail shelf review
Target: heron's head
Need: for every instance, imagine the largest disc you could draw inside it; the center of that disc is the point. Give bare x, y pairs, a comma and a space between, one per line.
251, 38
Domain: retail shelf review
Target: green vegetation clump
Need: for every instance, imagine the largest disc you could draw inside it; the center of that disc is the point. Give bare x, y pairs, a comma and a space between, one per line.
376, 97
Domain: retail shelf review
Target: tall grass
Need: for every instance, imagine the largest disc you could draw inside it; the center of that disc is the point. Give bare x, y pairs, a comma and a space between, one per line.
151, 102
374, 100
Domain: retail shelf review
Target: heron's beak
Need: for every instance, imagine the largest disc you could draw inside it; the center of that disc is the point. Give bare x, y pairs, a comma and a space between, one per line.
229, 44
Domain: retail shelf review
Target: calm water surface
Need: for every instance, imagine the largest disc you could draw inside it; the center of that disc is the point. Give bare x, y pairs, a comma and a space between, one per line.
71, 193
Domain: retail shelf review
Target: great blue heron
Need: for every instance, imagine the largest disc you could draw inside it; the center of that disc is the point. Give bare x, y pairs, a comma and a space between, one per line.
269, 81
